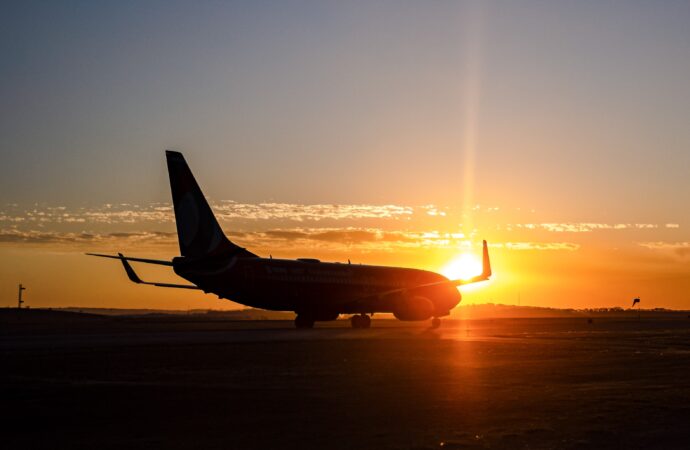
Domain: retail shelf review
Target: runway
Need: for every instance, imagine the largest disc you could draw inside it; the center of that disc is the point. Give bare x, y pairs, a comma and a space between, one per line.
199, 383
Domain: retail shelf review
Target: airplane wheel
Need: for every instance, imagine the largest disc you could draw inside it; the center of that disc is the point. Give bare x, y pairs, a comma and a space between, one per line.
304, 322
435, 322
360, 321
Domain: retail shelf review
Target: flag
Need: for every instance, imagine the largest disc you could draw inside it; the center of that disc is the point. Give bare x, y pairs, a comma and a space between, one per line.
635, 300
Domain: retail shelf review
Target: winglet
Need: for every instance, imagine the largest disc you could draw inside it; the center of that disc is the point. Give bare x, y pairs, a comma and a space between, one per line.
486, 269
128, 268
486, 263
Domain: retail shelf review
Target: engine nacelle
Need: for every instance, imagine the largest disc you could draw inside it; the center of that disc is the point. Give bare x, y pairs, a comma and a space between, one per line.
414, 308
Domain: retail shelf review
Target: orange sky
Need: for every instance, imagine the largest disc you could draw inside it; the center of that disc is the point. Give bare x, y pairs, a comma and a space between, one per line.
535, 261
397, 133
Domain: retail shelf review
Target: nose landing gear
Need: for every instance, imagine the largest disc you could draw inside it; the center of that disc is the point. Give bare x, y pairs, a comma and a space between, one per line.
360, 321
302, 321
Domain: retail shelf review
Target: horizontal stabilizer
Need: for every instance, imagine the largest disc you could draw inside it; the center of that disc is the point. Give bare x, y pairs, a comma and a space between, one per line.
135, 278
132, 275
128, 258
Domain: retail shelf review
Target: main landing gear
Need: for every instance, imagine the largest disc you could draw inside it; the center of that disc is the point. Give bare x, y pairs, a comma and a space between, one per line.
435, 323
302, 321
360, 321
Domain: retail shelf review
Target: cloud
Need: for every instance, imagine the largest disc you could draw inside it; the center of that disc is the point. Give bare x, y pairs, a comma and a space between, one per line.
432, 210
382, 240
285, 239
228, 210
334, 238
582, 227
562, 246
105, 214
56, 237
231, 212
681, 249
225, 210
291, 226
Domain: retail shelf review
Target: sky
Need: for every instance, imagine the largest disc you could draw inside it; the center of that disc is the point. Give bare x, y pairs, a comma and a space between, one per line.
388, 132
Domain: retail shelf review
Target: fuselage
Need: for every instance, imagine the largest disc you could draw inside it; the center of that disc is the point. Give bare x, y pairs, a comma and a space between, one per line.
322, 289
316, 291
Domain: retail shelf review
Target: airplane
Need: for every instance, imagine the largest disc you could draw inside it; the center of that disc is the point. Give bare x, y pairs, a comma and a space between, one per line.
314, 290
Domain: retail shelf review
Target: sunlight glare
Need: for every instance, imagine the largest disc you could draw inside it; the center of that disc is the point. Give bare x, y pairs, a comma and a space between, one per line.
463, 267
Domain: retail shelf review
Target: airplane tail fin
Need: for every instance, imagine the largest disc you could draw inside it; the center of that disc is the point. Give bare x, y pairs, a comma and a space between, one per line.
198, 231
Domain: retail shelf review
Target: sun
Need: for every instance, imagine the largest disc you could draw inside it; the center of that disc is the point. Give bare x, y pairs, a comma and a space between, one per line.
462, 267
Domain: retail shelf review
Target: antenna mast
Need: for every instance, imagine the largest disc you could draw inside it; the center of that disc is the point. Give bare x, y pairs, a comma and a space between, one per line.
19, 298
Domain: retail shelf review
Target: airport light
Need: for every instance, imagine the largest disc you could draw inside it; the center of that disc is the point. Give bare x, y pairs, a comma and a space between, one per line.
19, 297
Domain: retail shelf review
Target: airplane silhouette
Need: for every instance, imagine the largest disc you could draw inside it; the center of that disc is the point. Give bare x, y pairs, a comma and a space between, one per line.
314, 290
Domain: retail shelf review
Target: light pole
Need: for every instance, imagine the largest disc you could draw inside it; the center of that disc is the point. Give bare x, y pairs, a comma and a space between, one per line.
19, 299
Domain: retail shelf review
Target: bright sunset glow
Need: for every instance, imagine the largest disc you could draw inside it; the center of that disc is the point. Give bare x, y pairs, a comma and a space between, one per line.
482, 121
463, 267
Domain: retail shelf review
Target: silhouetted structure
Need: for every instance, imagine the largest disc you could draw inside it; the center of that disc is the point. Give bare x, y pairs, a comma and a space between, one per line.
636, 301
315, 290
19, 297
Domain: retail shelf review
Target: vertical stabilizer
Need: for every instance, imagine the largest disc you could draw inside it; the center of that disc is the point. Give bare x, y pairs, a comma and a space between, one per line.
198, 231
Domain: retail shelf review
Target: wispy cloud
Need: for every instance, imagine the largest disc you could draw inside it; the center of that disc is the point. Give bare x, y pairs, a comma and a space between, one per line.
334, 239
584, 227
432, 210
302, 237
229, 211
106, 214
562, 246
291, 226
681, 249
56, 237
226, 210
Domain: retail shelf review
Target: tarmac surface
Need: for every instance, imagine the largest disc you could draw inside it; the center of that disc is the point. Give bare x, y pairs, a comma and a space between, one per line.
82, 381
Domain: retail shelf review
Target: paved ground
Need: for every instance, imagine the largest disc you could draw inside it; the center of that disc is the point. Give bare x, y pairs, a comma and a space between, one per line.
197, 383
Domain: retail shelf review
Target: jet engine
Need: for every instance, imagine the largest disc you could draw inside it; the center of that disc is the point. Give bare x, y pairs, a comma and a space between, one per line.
414, 308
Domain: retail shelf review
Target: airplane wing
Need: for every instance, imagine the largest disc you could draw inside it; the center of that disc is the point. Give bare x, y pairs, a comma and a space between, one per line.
132, 275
